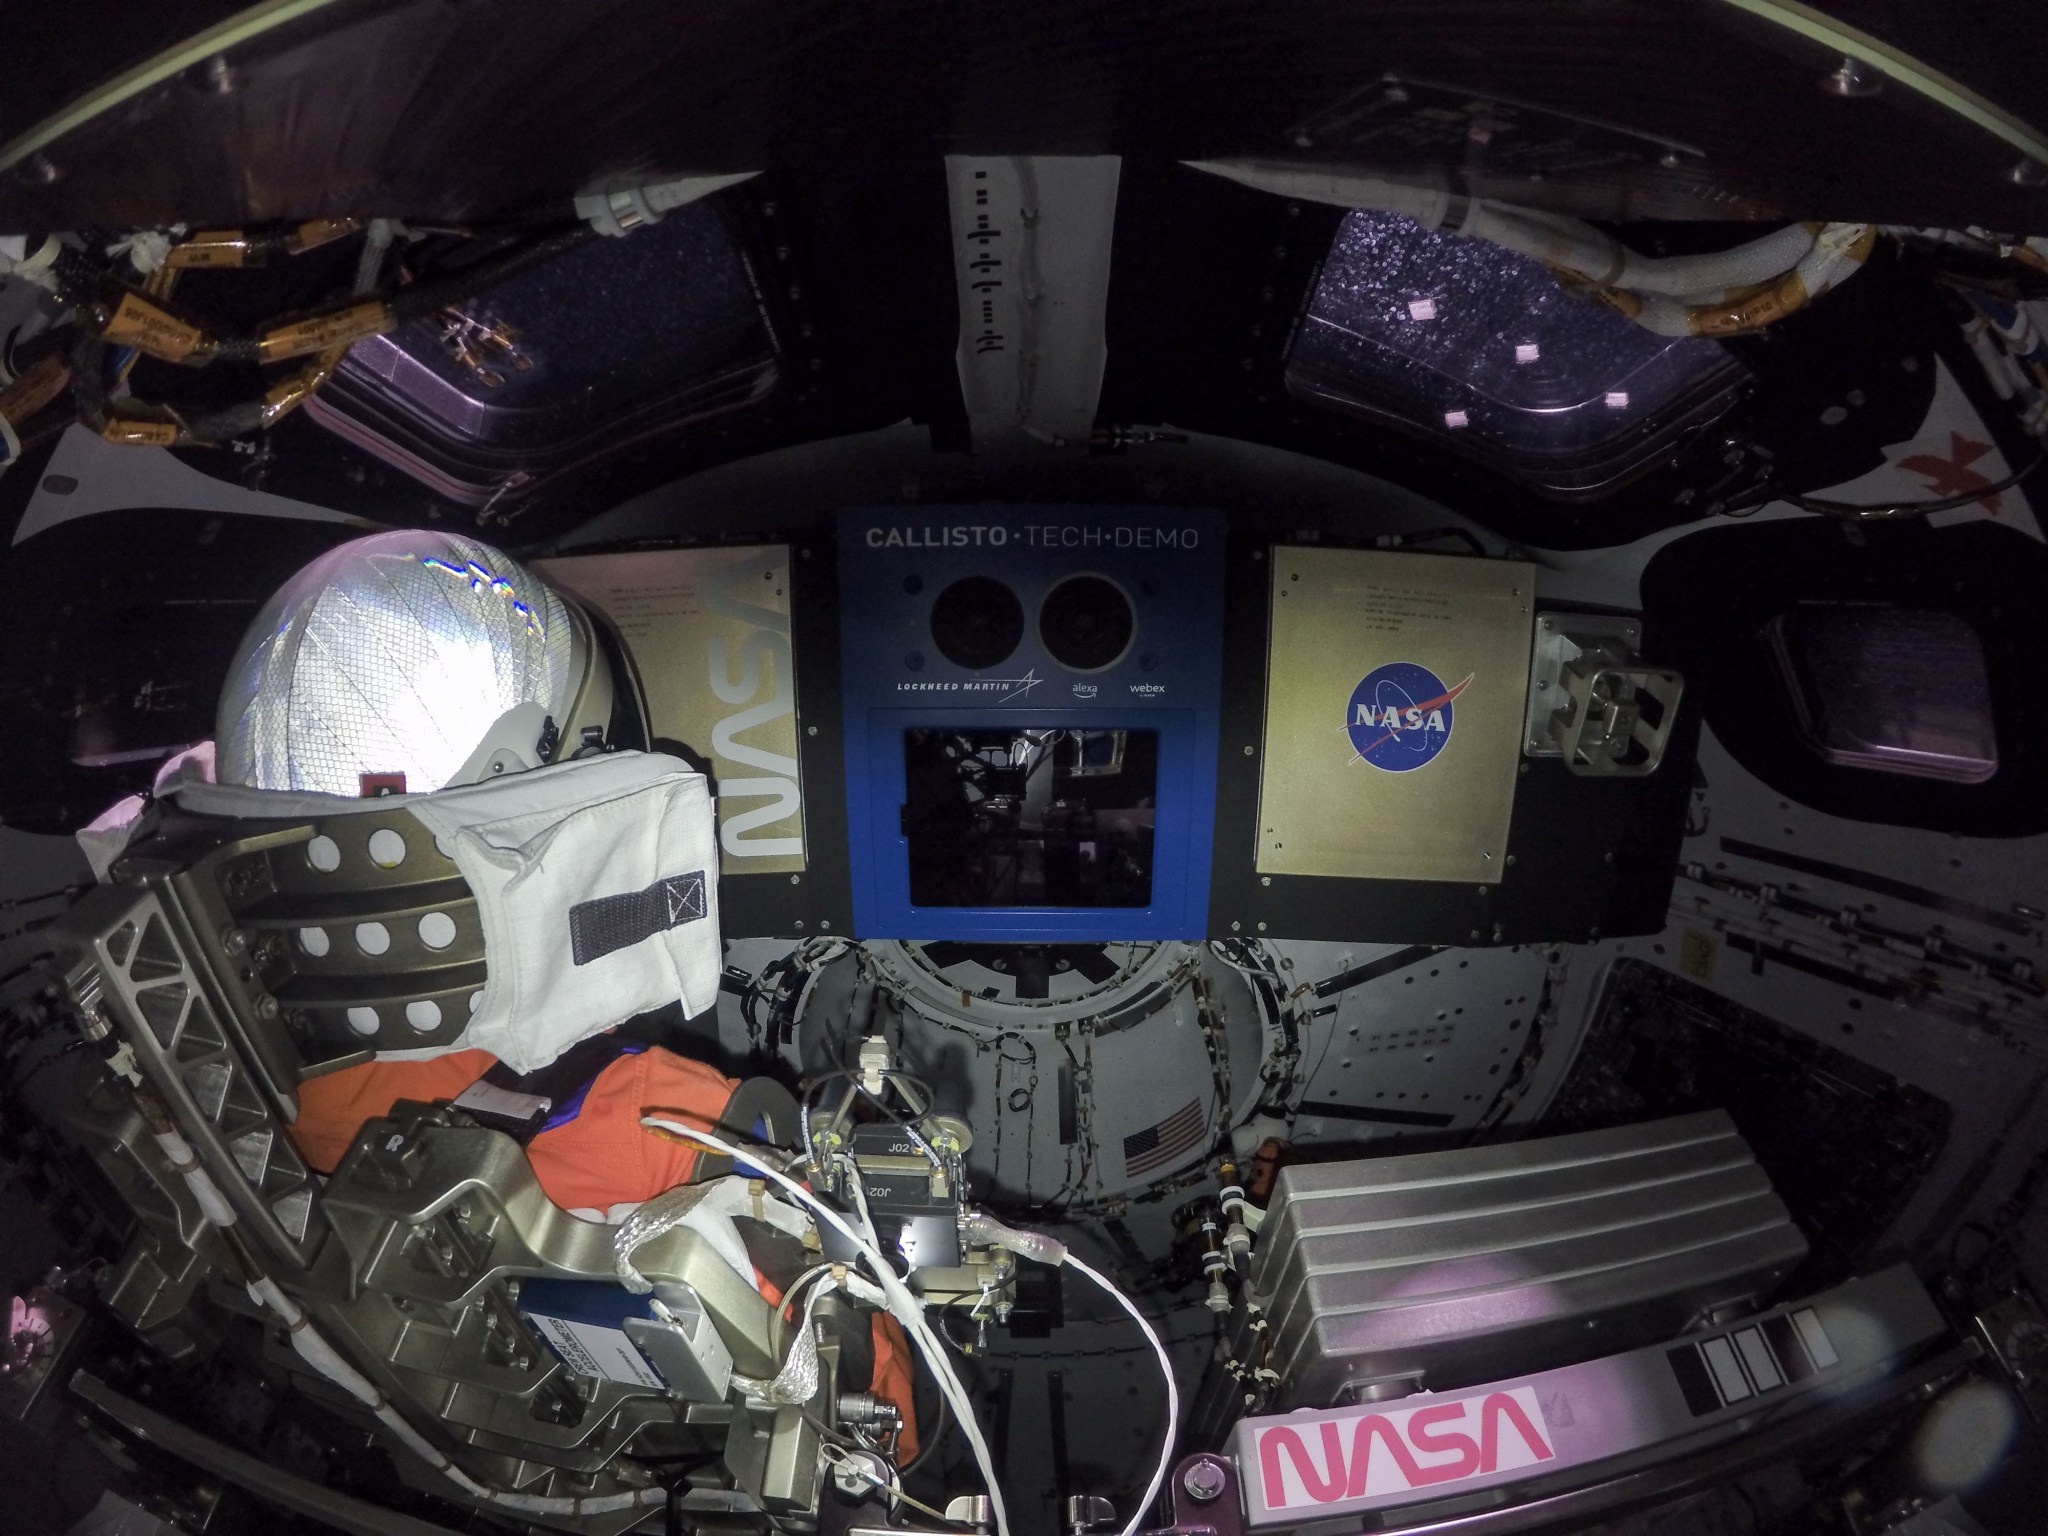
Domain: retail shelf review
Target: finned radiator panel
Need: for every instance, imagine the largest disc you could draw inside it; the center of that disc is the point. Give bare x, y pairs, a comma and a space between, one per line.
1447, 1268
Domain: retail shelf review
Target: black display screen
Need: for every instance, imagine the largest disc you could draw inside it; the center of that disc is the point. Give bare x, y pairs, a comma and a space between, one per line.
1030, 818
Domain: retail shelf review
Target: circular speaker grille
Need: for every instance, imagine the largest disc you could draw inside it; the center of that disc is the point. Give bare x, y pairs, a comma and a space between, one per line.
1086, 623
977, 622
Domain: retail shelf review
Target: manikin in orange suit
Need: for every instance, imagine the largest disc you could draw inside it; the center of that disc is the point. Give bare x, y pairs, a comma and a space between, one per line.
600, 1158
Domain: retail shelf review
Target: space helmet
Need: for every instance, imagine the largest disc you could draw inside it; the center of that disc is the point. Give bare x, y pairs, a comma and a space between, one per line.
409, 662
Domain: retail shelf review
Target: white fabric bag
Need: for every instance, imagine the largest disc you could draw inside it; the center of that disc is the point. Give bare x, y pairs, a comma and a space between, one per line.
596, 883
597, 886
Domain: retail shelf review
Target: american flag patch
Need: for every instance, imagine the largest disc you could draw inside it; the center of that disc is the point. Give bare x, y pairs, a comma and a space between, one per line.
1157, 1145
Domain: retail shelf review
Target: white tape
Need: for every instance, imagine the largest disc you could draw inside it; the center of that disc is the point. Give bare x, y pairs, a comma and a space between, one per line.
212, 1203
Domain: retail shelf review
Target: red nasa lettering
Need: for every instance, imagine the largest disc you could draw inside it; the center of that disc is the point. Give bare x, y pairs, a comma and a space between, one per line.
1402, 1449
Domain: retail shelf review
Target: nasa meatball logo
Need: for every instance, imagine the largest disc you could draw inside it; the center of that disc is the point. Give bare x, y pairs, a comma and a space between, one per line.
1400, 716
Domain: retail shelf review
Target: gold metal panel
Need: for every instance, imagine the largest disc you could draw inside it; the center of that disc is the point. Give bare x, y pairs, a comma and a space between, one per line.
1424, 794
709, 632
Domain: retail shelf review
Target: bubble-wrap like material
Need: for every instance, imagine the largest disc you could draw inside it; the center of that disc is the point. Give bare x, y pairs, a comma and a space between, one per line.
395, 653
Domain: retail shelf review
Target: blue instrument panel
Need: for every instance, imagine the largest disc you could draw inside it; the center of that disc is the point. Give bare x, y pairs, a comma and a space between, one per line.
1031, 699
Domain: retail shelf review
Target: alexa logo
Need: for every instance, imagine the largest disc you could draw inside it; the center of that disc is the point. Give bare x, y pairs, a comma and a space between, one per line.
1400, 716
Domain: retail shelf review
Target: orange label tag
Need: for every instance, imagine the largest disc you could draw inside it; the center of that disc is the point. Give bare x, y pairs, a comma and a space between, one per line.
140, 324
211, 248
320, 231
35, 389
1753, 313
323, 331
287, 392
140, 434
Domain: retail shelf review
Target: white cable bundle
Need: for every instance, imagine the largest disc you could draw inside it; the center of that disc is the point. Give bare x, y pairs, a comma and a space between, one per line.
903, 1306
983, 1228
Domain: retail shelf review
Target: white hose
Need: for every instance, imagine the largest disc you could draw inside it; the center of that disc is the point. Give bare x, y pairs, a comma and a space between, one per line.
213, 1205
903, 1306
983, 1228
1605, 261
1427, 206
1172, 1392
1666, 290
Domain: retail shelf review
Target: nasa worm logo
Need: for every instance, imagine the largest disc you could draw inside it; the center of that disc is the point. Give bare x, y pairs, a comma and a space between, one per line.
1400, 716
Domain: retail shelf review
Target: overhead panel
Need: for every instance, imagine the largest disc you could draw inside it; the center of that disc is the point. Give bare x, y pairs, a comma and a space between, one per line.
1395, 688
1031, 255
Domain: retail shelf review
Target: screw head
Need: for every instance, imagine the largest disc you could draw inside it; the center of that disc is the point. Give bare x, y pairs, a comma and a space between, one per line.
1204, 1480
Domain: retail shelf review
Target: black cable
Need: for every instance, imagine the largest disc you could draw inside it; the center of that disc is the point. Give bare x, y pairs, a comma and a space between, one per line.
1879, 511
929, 1444
417, 300
48, 1061
1464, 536
35, 962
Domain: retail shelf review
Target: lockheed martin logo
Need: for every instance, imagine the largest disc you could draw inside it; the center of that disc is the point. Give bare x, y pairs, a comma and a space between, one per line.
1400, 716
1018, 686
1006, 688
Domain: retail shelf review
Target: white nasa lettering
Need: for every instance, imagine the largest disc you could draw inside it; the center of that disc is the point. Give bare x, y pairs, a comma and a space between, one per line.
769, 644
1394, 719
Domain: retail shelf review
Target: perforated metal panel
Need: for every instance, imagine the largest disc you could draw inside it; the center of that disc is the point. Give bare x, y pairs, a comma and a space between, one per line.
1421, 1050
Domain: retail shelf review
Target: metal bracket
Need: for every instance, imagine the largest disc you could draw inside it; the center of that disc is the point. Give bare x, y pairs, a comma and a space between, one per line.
1591, 700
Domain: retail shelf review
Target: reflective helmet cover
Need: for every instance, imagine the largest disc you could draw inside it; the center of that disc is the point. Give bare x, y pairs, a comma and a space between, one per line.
395, 653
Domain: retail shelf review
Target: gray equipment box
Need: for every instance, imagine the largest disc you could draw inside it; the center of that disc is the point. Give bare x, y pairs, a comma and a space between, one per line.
1444, 1269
